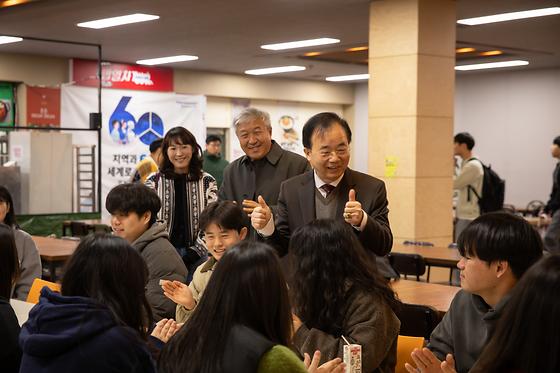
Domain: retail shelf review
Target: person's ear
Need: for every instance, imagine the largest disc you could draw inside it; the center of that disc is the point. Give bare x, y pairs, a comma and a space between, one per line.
146, 217
307, 153
502, 267
243, 233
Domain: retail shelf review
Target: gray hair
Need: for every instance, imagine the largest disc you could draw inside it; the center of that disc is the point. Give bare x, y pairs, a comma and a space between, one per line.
250, 114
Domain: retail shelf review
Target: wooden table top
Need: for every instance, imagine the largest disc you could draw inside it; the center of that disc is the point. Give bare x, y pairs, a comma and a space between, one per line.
425, 293
90, 222
433, 255
54, 249
537, 221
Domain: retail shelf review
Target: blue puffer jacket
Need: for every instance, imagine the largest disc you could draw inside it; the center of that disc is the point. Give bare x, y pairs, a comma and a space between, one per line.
77, 334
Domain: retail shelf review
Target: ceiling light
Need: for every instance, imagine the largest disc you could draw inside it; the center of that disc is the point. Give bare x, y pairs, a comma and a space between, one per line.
171, 59
275, 70
491, 65
117, 21
491, 53
357, 49
9, 39
464, 50
509, 16
300, 44
312, 54
346, 78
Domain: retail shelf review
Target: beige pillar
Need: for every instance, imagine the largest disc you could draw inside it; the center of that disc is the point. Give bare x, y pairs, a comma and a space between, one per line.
411, 94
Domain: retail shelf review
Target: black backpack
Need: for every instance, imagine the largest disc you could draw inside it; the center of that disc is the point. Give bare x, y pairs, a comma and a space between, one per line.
493, 190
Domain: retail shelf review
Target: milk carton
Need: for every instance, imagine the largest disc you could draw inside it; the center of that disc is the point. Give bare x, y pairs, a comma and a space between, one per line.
353, 358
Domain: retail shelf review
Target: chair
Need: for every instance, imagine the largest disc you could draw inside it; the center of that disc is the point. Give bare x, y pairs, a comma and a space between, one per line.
418, 320
535, 207
408, 264
35, 291
405, 346
79, 229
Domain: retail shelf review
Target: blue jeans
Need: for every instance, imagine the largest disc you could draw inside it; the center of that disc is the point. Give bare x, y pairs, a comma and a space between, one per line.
186, 254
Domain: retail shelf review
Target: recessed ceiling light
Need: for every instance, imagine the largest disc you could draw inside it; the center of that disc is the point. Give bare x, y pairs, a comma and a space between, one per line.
510, 16
357, 49
275, 70
117, 21
9, 39
170, 59
346, 78
491, 65
312, 54
491, 53
465, 50
300, 44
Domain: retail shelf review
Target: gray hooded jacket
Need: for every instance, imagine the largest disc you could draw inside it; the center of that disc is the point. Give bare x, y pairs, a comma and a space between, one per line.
164, 263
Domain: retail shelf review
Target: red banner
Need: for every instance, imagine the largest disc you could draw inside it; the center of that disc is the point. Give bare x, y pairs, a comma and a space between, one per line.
43, 106
122, 76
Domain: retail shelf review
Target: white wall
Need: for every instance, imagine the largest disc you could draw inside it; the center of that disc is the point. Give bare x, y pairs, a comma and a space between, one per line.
514, 117
360, 148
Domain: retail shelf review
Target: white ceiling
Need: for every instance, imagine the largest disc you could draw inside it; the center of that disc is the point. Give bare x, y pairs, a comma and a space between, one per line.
226, 34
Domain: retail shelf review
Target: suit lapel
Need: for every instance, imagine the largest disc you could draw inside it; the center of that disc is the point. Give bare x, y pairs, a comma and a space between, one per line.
307, 199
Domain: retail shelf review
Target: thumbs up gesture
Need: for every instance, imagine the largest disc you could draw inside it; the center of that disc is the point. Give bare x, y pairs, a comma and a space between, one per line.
353, 213
261, 214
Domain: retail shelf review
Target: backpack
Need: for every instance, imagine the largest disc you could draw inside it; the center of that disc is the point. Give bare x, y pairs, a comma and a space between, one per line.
493, 190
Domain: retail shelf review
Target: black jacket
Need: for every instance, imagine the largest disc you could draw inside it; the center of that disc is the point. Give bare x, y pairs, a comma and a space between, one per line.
554, 200
10, 353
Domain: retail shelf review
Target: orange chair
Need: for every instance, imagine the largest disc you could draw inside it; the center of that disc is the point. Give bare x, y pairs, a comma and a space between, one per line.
405, 346
35, 291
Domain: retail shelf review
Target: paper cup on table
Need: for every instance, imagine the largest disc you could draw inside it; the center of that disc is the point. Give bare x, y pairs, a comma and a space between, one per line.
353, 358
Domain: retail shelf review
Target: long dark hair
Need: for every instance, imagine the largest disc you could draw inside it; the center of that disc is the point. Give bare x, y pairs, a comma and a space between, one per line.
107, 269
330, 266
10, 218
182, 136
247, 288
527, 338
9, 265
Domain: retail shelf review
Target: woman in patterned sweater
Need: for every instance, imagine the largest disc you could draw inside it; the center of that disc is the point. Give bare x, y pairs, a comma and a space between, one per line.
184, 190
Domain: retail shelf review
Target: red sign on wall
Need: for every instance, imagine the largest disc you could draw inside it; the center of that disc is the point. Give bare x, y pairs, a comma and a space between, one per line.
43, 106
122, 76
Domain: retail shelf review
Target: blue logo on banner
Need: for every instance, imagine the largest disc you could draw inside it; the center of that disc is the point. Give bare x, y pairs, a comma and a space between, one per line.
124, 128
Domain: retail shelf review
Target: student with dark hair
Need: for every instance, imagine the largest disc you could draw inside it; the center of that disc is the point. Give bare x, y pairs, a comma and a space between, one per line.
184, 190
243, 322
213, 162
28, 255
10, 353
149, 164
224, 224
133, 209
100, 321
496, 249
552, 208
330, 191
527, 337
468, 181
337, 292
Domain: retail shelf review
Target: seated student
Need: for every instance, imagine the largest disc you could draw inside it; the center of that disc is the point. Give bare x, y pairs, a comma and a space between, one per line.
496, 250
243, 322
10, 353
224, 224
521, 343
133, 209
100, 321
28, 255
338, 292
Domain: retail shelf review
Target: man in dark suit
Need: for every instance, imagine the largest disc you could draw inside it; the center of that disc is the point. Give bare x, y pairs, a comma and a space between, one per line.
330, 190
